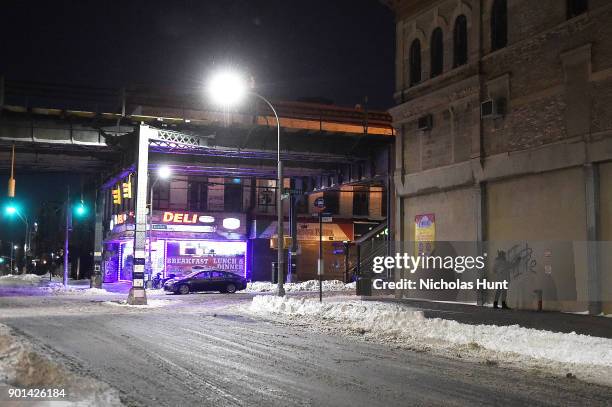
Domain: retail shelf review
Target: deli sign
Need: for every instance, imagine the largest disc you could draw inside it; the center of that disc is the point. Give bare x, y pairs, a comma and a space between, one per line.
226, 225
186, 218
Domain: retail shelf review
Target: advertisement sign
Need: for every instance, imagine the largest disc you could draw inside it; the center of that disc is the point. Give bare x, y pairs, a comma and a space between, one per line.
424, 233
186, 256
216, 225
233, 264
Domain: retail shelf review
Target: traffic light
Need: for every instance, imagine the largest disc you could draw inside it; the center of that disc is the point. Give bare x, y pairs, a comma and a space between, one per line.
127, 189
117, 196
11, 209
1, 260
80, 209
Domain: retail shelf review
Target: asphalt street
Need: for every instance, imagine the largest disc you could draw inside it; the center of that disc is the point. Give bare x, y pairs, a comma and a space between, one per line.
199, 351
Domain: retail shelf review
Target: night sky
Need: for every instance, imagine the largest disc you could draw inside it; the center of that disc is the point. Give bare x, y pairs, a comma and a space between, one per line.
342, 50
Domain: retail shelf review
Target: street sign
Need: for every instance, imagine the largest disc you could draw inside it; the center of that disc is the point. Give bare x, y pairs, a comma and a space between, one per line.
319, 203
326, 219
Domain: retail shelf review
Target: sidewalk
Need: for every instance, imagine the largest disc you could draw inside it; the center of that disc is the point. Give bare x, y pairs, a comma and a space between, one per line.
477, 315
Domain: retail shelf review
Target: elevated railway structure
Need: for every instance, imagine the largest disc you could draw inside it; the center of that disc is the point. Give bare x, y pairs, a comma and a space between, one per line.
69, 128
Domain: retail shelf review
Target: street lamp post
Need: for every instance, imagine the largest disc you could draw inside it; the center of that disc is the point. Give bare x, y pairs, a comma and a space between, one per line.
228, 88
81, 211
13, 247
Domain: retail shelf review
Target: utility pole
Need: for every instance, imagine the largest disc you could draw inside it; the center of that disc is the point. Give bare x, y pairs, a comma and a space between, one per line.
67, 236
320, 268
11, 182
12, 257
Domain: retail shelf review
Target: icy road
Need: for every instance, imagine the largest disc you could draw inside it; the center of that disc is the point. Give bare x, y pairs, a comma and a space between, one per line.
197, 350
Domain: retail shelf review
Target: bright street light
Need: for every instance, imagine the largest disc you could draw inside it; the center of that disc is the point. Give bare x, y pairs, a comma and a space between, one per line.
15, 247
229, 88
164, 172
11, 210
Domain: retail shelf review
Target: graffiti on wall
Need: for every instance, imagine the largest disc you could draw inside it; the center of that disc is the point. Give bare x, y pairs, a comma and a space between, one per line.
521, 259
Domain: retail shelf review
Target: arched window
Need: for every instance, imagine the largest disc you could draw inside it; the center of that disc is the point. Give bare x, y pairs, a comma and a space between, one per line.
499, 24
576, 7
415, 62
437, 52
460, 41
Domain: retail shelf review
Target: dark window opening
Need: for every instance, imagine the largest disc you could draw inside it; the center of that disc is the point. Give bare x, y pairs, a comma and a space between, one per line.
437, 52
332, 201
499, 25
161, 196
460, 42
415, 62
576, 7
197, 195
360, 201
384, 203
232, 197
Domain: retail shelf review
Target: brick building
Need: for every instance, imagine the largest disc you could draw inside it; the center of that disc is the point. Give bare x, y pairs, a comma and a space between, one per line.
504, 132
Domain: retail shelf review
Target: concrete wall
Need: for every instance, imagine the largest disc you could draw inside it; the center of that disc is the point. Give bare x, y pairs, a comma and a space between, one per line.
547, 206
454, 211
605, 234
540, 214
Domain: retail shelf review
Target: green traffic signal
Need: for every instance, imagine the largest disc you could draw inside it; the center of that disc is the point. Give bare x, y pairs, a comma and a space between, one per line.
80, 209
1, 260
10, 209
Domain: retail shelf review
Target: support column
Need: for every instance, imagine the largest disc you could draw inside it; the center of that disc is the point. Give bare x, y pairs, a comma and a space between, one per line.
591, 175
137, 294
400, 244
291, 272
100, 204
480, 200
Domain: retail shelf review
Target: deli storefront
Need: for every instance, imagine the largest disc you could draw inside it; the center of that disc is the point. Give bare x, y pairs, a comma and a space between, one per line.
180, 242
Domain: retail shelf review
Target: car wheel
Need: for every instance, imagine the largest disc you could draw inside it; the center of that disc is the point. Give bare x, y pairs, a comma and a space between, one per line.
230, 288
184, 289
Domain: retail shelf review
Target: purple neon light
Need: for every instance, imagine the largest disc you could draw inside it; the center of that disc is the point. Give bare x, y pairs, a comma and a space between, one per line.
121, 251
244, 270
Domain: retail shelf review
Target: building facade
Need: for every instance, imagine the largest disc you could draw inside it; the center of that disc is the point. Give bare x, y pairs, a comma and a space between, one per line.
230, 224
504, 134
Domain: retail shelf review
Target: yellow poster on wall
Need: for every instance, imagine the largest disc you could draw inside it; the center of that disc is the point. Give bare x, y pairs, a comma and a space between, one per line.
424, 234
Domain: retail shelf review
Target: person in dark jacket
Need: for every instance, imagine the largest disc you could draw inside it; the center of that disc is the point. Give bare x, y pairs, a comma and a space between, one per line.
502, 268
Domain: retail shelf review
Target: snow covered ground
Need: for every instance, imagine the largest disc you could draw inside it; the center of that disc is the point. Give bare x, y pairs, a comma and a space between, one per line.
53, 286
23, 367
58, 288
150, 303
35, 278
310, 285
400, 325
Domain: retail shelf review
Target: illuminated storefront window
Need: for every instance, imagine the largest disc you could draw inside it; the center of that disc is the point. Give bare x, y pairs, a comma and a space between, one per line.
185, 256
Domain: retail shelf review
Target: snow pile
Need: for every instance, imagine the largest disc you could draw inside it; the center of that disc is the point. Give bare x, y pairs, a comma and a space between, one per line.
395, 322
58, 288
150, 304
34, 278
357, 315
310, 285
21, 366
